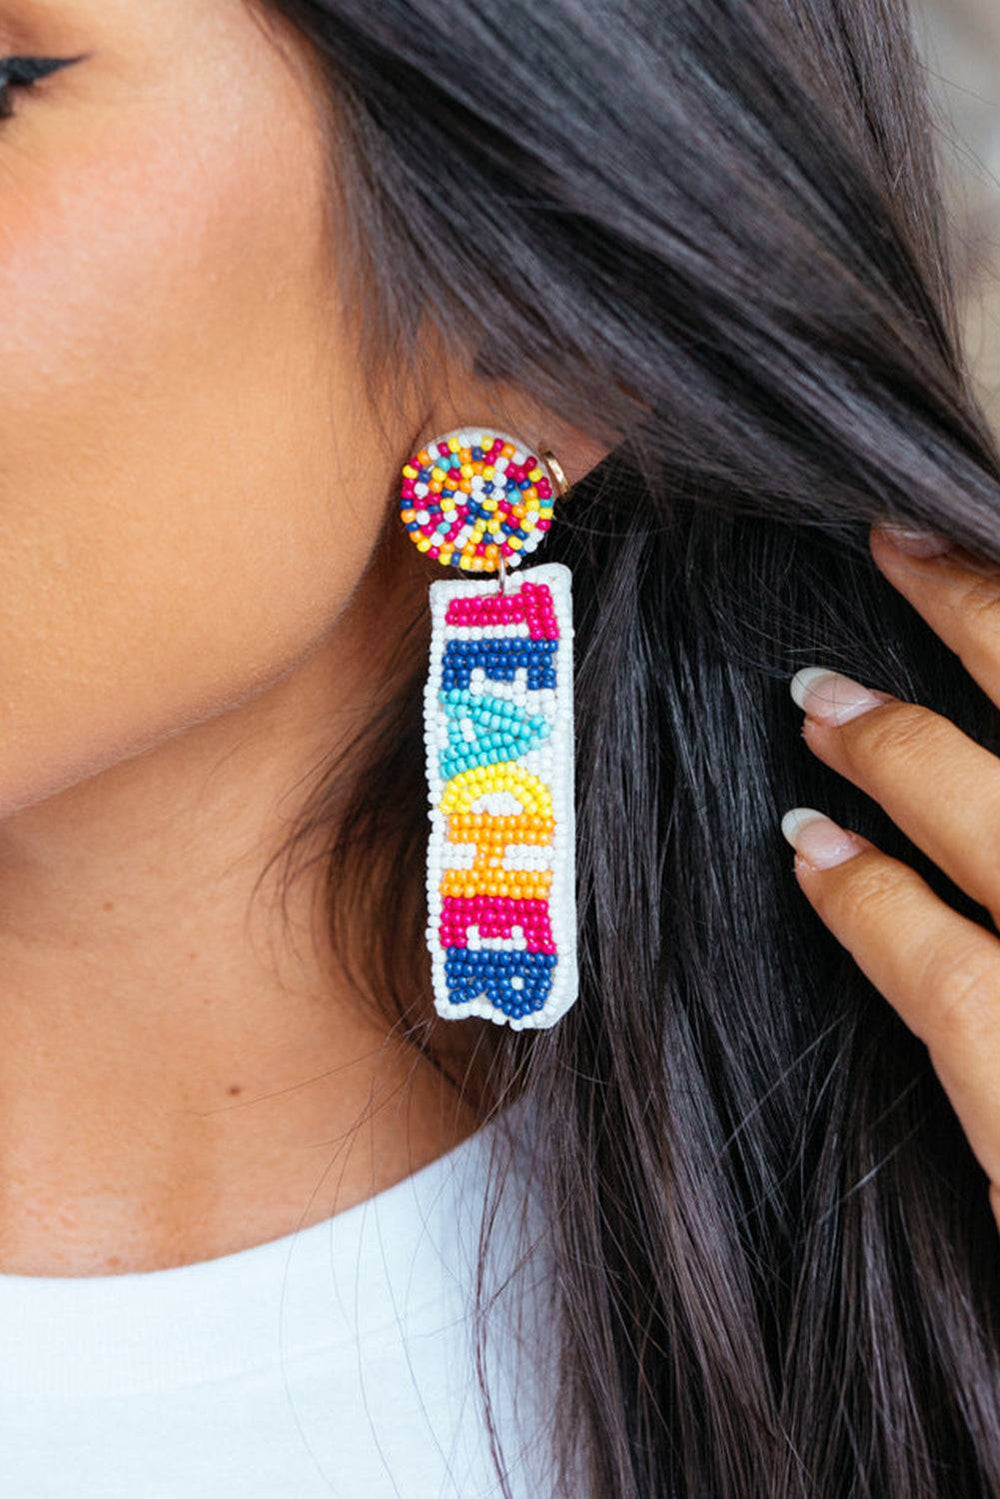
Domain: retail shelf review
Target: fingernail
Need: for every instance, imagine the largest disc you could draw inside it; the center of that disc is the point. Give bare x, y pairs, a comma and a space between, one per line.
821, 841
832, 697
915, 543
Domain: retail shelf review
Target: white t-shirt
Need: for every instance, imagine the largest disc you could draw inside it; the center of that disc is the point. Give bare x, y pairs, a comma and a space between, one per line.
335, 1361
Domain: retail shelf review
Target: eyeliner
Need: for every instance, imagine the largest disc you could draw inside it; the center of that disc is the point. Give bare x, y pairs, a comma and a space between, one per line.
30, 69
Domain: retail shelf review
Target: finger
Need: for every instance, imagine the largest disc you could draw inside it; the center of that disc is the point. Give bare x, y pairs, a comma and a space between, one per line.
959, 597
939, 970
938, 785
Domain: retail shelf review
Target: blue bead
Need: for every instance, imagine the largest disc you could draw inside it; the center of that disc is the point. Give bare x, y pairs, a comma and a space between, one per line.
470, 972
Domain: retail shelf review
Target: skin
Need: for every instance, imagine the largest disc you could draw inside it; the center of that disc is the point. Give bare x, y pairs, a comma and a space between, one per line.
939, 970
193, 485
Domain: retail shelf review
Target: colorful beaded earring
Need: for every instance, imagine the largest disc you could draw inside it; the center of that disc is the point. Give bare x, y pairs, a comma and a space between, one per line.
498, 731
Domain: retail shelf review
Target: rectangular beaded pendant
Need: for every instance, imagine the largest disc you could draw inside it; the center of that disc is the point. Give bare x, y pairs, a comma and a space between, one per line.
501, 856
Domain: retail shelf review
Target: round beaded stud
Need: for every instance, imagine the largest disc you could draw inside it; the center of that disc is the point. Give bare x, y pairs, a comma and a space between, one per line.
478, 500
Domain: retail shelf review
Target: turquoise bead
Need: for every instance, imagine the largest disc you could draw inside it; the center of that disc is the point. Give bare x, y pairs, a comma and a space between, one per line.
501, 730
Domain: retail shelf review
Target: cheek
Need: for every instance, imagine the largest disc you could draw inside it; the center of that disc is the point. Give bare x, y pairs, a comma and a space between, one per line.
179, 518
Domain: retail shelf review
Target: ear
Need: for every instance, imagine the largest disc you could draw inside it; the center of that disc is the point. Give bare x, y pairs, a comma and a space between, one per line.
577, 452
500, 406
453, 395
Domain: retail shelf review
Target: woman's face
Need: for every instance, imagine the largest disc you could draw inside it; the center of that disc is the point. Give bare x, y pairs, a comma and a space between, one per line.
189, 483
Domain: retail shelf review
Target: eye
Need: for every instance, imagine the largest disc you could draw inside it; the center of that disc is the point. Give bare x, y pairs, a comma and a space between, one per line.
22, 72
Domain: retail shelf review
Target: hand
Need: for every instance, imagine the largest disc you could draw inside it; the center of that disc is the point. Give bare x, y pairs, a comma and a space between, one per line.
940, 970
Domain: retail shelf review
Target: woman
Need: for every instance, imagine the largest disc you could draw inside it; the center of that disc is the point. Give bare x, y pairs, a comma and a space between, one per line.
729, 1225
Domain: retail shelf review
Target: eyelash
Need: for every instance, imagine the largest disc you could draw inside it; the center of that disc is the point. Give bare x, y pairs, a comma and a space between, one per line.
22, 72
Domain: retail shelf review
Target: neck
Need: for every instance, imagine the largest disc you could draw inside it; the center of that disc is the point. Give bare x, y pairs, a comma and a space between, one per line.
177, 1081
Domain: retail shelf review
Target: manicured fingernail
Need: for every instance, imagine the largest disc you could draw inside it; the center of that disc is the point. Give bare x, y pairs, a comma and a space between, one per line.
832, 697
821, 841
915, 543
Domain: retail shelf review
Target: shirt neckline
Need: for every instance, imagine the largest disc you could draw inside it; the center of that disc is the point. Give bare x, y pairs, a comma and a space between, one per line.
366, 1272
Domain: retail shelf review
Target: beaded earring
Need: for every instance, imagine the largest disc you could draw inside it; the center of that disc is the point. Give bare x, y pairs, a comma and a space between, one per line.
498, 731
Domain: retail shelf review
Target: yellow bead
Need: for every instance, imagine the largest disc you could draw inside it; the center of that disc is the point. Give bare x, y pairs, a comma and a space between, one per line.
535, 474
467, 471
423, 543
439, 474
410, 472
454, 444
488, 471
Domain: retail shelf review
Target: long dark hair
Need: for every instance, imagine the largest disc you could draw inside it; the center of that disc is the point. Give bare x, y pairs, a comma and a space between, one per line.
710, 232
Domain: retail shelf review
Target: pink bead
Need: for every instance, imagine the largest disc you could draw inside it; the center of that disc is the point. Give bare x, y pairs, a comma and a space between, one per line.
496, 916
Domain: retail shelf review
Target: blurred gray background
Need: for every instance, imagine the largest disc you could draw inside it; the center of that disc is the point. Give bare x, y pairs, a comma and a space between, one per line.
960, 43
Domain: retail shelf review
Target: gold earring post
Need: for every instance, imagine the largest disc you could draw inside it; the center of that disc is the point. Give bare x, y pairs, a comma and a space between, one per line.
551, 461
